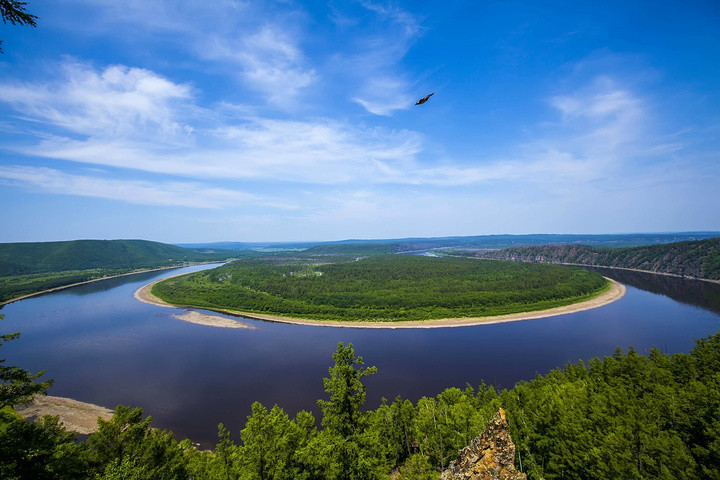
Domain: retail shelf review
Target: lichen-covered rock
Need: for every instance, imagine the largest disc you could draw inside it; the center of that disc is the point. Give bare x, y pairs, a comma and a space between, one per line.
490, 456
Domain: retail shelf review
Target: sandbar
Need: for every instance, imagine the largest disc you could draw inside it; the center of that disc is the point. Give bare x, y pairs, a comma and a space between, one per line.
614, 292
76, 416
143, 294
211, 320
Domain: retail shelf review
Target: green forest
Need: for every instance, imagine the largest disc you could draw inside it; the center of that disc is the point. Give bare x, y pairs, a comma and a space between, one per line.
383, 288
36, 266
626, 416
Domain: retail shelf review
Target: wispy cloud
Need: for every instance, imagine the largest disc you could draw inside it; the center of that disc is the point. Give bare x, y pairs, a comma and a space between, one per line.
166, 193
135, 119
117, 101
139, 121
383, 85
271, 62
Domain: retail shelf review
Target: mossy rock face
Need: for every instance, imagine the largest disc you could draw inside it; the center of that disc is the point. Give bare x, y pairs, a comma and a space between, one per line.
383, 288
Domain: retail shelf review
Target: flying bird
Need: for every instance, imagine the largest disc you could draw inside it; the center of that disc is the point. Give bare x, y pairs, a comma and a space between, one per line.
424, 99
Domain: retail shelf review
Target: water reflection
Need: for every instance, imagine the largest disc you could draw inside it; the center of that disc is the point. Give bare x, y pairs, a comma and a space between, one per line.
692, 292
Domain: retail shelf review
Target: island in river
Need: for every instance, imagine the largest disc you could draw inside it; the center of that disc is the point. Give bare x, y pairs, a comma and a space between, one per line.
388, 291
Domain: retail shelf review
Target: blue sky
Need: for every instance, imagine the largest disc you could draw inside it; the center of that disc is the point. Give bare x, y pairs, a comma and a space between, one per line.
190, 121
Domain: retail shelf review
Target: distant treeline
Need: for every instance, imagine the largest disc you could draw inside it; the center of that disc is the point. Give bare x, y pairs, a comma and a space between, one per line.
33, 267
475, 241
626, 416
42, 257
383, 288
697, 259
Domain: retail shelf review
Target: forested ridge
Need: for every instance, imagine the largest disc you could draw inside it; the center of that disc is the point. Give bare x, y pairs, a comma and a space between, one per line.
382, 288
42, 257
33, 267
697, 259
626, 416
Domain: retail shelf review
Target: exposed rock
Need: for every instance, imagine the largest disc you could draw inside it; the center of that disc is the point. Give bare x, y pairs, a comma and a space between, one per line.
490, 456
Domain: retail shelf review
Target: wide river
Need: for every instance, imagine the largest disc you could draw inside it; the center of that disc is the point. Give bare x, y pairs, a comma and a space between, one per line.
103, 346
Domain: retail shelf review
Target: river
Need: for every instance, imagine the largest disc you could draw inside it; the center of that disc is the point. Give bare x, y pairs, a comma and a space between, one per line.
102, 346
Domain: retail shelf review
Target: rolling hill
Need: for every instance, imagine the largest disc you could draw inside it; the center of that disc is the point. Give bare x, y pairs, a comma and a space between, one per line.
42, 257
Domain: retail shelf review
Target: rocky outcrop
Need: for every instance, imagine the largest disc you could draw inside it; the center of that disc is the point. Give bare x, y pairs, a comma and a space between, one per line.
490, 456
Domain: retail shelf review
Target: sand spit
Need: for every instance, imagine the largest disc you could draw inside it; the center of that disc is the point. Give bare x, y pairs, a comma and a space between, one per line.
77, 416
143, 294
211, 320
613, 293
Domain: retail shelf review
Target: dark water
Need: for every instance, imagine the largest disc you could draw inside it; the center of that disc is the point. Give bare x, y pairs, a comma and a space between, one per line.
103, 346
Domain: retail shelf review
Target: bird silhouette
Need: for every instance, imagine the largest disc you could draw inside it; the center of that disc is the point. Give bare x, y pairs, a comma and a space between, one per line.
424, 99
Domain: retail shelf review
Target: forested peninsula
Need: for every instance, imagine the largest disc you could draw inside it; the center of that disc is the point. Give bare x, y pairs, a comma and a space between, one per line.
27, 268
381, 288
695, 259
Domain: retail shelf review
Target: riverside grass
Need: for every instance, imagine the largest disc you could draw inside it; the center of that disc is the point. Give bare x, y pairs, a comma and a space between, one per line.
389, 288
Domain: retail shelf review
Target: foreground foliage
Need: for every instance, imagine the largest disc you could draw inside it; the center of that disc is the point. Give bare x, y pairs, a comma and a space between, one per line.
626, 416
383, 288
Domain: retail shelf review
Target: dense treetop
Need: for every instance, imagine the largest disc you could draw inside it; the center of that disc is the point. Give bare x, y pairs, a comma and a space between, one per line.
625, 416
383, 288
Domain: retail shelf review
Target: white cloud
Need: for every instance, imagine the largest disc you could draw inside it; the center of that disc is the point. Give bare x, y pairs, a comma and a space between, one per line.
131, 118
271, 62
134, 119
115, 101
184, 194
383, 87
268, 59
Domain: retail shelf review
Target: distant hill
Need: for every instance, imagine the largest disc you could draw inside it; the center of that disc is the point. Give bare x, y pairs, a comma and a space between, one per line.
382, 246
352, 249
697, 259
257, 246
42, 257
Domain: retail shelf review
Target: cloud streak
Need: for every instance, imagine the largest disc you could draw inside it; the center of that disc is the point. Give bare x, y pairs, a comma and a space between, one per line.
141, 192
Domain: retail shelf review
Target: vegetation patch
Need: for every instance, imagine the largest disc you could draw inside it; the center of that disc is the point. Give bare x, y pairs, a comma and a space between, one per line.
383, 288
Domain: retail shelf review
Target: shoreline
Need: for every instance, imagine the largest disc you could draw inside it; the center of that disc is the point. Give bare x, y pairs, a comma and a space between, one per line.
613, 293
69, 285
143, 294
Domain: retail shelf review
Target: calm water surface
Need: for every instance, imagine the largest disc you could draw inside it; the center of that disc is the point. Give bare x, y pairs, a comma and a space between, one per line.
103, 346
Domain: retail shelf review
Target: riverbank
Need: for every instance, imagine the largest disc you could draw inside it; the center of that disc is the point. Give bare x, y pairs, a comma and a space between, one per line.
76, 416
69, 285
614, 292
144, 295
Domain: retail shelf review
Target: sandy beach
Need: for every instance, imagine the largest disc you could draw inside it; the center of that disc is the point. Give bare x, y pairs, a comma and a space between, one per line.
143, 294
77, 416
615, 292
211, 320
